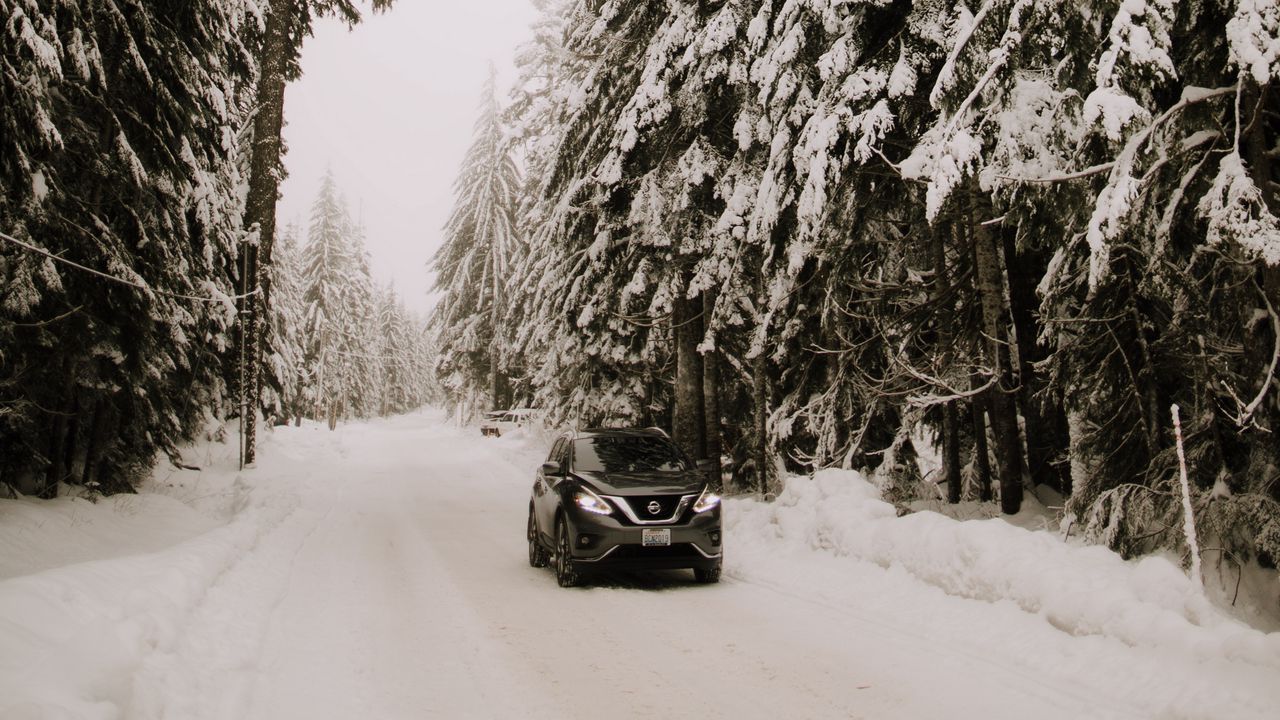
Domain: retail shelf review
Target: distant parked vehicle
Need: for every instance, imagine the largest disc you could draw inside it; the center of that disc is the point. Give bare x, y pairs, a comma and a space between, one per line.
500, 422
624, 499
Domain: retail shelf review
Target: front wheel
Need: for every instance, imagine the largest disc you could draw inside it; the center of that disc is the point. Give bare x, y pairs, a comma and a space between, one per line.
566, 574
707, 575
537, 554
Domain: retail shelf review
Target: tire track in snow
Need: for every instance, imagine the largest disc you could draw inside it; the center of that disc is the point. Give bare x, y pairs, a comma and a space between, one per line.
210, 671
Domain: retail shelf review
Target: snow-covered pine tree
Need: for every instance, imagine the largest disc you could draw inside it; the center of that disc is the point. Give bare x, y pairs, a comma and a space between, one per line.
688, 160
418, 354
606, 356
1182, 239
534, 119
404, 363
389, 343
337, 313
284, 25
473, 266
361, 332
1106, 148
1070, 193
113, 155
283, 369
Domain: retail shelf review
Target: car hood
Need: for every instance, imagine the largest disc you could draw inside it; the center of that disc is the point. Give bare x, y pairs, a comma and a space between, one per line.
661, 483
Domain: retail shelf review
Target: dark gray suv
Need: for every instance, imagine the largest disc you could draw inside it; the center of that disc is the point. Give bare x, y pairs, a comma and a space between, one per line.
624, 499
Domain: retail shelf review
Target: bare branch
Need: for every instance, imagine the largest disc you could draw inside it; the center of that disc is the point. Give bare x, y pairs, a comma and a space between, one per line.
1245, 415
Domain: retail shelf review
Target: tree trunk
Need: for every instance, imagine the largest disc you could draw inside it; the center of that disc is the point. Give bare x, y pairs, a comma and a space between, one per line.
688, 422
494, 390
760, 436
981, 463
62, 426
93, 443
951, 452
1043, 422
942, 311
711, 396
1001, 407
265, 171
79, 435
104, 437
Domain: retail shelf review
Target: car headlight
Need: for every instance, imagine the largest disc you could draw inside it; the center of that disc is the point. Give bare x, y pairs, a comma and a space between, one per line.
706, 501
591, 502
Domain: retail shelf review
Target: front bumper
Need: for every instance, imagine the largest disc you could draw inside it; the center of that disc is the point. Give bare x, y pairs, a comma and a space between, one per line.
605, 542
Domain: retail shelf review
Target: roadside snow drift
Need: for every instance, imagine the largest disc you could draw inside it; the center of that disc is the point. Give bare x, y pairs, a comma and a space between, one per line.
1081, 590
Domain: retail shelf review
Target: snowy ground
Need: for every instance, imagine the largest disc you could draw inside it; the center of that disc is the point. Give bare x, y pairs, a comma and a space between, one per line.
379, 572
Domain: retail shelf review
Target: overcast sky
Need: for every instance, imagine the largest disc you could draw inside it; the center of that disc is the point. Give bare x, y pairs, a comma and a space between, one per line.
389, 107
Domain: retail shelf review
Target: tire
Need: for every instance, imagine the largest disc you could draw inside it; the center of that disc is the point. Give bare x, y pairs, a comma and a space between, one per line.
566, 574
707, 576
538, 556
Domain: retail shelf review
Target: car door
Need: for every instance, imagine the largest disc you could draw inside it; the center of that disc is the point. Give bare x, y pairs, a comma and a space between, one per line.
544, 496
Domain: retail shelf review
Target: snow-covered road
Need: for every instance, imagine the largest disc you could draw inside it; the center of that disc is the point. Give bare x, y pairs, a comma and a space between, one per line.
411, 597
380, 572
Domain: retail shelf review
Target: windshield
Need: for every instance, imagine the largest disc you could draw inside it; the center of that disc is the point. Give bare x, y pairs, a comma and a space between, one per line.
626, 454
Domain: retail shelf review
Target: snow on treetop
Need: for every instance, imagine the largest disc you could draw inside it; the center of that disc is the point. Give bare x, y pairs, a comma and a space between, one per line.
1253, 37
1235, 210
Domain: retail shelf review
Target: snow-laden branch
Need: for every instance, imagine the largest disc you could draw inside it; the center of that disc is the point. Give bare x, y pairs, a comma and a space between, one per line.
948, 71
924, 401
1063, 177
1245, 416
1113, 201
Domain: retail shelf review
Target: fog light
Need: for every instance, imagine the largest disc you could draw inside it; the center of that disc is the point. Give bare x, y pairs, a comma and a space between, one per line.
715, 537
584, 540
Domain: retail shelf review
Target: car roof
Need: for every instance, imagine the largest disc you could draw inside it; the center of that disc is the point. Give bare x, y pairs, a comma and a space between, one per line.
619, 432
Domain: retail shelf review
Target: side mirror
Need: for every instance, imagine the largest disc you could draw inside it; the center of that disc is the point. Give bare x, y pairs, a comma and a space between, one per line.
552, 468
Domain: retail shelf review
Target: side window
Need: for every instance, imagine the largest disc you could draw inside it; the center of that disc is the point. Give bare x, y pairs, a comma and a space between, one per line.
554, 455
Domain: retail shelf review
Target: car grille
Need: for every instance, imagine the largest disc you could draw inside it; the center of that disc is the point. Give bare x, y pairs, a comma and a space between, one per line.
667, 505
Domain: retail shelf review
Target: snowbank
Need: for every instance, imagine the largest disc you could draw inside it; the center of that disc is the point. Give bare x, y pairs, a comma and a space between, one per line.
1081, 590
41, 534
90, 591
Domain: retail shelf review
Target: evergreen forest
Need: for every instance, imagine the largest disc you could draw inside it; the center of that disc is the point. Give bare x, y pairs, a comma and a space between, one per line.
1035, 240
145, 299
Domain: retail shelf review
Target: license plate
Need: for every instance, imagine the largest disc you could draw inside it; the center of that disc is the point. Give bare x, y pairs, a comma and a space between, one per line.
655, 538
